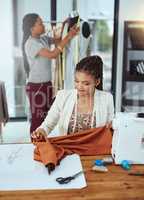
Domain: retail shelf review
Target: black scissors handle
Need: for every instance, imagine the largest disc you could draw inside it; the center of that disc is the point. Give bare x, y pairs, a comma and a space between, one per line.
65, 180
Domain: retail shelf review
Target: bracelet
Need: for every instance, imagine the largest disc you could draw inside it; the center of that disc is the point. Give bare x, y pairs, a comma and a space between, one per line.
59, 48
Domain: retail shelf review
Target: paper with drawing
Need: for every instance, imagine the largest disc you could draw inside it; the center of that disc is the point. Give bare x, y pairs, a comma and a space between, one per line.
20, 172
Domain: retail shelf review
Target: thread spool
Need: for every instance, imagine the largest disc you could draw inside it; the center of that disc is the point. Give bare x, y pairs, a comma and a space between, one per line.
99, 162
126, 164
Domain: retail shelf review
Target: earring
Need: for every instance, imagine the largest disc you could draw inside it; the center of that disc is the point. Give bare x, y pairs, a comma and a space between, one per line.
97, 82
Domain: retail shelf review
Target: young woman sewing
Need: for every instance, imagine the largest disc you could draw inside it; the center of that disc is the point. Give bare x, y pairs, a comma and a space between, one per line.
86, 106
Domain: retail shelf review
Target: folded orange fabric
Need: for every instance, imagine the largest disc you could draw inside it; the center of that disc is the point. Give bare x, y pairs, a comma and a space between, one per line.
94, 141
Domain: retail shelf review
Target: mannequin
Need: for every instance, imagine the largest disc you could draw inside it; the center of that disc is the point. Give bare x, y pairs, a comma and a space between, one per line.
77, 49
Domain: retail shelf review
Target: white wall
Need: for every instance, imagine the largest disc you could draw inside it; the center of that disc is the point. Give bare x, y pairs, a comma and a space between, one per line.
128, 10
96, 9
42, 8
6, 51
64, 8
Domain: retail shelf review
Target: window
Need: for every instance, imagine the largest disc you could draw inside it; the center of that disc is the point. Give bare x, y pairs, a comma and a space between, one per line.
98, 13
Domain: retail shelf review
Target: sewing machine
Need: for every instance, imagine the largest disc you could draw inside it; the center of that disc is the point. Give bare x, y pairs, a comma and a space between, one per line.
128, 138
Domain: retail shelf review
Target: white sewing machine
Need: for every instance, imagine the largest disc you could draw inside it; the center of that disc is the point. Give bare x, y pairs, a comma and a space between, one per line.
128, 138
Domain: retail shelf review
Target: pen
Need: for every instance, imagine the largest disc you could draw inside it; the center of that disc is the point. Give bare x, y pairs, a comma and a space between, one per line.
136, 173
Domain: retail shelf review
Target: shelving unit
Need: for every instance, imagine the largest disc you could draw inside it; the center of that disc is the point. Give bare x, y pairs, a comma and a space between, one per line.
133, 67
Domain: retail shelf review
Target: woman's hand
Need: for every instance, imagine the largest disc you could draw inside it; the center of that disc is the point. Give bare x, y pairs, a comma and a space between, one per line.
39, 135
109, 125
73, 31
57, 32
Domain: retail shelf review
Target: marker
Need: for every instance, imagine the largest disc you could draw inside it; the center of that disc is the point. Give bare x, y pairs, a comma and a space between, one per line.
136, 173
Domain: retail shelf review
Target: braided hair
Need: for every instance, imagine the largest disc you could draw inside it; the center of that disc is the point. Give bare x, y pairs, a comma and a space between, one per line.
28, 22
92, 65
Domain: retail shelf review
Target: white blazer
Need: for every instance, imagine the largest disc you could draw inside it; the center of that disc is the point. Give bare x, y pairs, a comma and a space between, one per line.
62, 108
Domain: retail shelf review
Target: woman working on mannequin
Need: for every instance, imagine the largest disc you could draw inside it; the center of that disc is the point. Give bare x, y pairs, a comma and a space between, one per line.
85, 107
37, 56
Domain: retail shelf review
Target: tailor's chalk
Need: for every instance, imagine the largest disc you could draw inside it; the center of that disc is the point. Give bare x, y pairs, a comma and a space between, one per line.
99, 168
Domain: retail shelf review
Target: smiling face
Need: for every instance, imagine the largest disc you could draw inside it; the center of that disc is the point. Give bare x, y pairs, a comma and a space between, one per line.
85, 83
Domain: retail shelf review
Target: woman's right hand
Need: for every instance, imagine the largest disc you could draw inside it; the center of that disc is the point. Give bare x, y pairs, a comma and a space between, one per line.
39, 135
73, 31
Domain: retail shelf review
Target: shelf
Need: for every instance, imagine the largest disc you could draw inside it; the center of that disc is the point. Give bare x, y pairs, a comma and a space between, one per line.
134, 49
132, 102
136, 78
133, 63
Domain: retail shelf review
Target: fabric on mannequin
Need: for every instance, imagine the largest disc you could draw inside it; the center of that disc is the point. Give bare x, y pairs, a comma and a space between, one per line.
72, 22
76, 50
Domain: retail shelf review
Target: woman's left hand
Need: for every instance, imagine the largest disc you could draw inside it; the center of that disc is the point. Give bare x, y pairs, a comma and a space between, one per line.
74, 30
109, 125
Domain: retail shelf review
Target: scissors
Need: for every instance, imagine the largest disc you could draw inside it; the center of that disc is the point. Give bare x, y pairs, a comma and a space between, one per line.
65, 180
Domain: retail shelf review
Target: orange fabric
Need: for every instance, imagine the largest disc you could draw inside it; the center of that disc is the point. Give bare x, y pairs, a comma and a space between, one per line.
93, 141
